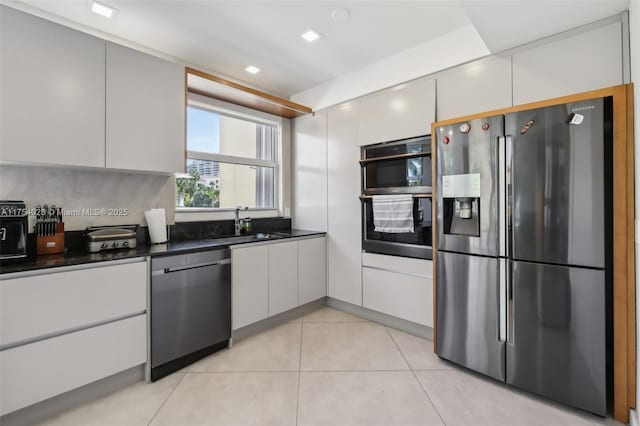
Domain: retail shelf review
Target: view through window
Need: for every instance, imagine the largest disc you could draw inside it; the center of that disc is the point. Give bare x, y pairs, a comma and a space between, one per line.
231, 161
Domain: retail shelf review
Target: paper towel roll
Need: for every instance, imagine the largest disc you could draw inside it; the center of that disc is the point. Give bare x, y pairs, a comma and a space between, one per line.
157, 225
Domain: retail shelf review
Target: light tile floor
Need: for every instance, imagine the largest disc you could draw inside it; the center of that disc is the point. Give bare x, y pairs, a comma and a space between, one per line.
327, 368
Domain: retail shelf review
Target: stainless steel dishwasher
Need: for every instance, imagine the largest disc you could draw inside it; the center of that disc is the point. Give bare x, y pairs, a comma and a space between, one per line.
190, 308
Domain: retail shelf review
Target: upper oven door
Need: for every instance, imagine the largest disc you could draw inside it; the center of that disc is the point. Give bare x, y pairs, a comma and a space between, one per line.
397, 167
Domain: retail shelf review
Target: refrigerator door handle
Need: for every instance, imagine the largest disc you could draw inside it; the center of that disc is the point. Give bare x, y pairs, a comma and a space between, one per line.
502, 301
508, 188
510, 306
502, 196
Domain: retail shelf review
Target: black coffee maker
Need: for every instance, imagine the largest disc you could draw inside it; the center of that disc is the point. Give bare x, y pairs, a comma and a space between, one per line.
14, 222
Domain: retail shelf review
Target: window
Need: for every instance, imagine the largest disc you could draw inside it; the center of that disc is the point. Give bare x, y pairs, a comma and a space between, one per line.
231, 161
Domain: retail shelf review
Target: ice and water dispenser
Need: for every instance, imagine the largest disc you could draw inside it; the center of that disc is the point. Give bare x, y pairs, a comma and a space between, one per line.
461, 204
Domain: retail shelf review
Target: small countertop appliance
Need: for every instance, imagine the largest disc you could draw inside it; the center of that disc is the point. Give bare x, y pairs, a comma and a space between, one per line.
111, 238
14, 224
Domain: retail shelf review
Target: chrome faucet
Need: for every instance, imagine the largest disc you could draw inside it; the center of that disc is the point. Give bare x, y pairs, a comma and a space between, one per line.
237, 224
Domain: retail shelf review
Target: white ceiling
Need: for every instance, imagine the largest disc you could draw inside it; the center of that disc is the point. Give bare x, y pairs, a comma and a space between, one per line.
224, 37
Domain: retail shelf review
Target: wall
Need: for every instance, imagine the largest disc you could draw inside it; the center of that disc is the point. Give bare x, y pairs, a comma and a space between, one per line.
77, 189
634, 44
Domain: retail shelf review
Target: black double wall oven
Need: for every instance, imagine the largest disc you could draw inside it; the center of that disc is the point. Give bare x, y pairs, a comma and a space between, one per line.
392, 168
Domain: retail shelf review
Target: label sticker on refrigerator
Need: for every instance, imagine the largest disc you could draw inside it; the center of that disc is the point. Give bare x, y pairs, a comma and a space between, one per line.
575, 118
458, 186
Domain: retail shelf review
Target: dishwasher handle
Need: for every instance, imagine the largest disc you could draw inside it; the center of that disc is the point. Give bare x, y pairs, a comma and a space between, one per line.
187, 267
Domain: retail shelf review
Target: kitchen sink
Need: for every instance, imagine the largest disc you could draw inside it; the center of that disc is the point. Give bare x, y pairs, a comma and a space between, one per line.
280, 234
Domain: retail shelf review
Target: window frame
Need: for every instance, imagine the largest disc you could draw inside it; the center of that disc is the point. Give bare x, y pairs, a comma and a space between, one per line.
232, 159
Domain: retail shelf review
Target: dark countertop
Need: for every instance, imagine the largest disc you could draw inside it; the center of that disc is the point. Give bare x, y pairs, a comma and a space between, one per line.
179, 247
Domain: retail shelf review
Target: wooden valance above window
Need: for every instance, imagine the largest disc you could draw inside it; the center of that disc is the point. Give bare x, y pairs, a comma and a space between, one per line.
205, 84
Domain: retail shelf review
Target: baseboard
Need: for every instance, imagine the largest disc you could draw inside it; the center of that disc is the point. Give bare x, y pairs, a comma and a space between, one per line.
633, 418
265, 324
368, 314
72, 399
384, 319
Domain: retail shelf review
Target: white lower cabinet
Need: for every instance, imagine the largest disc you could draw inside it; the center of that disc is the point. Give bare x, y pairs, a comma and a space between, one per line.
283, 277
37, 371
399, 287
274, 277
312, 270
62, 329
249, 285
41, 305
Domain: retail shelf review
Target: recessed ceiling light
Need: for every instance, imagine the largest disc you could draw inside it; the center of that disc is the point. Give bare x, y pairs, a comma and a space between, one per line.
102, 9
311, 35
252, 70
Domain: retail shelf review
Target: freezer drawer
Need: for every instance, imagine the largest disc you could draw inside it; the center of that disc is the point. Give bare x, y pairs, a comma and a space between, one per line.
557, 338
468, 313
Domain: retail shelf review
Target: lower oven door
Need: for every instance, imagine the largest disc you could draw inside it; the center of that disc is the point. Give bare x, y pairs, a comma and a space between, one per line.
415, 244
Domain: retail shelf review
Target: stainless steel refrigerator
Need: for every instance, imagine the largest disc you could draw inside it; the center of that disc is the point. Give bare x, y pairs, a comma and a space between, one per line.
523, 238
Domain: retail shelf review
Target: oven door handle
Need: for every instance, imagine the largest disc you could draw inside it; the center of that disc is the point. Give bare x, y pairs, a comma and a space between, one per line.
395, 157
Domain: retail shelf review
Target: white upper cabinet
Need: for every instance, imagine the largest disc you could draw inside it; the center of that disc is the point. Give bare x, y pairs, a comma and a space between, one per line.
401, 112
52, 106
145, 112
309, 143
475, 87
344, 239
586, 61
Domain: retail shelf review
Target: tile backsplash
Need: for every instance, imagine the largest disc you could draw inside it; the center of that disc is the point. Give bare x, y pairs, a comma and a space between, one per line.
90, 197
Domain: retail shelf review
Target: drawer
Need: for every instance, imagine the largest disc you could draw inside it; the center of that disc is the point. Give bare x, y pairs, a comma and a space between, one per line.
409, 297
404, 265
42, 305
41, 370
